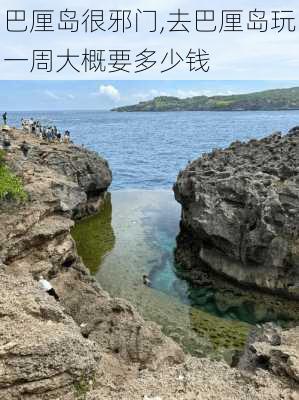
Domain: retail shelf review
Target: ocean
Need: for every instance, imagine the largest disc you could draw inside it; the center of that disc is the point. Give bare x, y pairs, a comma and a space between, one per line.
147, 150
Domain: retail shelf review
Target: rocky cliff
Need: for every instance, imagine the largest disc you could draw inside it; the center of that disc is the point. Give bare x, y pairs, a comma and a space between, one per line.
51, 349
240, 214
89, 345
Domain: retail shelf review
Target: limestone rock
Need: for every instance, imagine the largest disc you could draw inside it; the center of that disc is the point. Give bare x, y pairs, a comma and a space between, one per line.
240, 213
63, 183
195, 379
271, 348
67, 177
115, 324
42, 351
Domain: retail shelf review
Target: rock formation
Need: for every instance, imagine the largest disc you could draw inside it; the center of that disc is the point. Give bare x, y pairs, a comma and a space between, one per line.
41, 348
50, 349
240, 214
87, 346
271, 348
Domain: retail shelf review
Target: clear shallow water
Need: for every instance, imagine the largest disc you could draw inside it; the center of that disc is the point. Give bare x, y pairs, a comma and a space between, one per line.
142, 227
147, 150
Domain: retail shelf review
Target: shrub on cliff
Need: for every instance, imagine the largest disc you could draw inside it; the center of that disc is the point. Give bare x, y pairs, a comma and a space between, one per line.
10, 185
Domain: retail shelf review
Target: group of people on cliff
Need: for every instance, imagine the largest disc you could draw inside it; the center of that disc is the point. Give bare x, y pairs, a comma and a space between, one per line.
49, 133
31, 126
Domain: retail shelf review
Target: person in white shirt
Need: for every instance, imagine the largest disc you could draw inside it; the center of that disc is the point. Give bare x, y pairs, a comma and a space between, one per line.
47, 287
146, 280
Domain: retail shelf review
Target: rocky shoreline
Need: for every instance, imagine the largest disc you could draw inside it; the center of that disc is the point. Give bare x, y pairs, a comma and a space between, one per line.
89, 345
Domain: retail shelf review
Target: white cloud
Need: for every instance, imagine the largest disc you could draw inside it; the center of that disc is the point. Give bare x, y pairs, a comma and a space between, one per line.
205, 92
109, 91
150, 95
192, 93
52, 95
183, 93
156, 93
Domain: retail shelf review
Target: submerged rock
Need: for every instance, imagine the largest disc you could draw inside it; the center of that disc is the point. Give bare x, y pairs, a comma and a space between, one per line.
240, 213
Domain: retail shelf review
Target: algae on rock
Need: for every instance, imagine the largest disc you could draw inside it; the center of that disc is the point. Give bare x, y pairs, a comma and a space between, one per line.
94, 236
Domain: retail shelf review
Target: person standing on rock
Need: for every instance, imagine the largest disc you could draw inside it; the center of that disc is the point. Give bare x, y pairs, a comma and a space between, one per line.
67, 137
4, 116
47, 287
6, 143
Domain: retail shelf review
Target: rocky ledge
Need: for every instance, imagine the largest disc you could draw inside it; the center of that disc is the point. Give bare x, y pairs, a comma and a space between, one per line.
89, 345
240, 214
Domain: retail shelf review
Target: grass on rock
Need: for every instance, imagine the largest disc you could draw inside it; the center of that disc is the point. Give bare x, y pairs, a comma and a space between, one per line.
11, 187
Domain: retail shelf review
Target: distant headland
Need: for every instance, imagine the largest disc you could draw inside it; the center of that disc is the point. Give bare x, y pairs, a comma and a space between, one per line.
269, 100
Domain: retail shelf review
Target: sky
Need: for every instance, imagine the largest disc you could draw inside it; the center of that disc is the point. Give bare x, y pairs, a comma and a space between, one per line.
240, 62
104, 95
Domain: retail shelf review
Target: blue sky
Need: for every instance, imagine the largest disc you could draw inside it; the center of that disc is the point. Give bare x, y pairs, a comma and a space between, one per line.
104, 95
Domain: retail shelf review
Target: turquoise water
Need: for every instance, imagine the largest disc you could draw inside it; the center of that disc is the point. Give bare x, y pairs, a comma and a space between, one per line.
143, 229
147, 150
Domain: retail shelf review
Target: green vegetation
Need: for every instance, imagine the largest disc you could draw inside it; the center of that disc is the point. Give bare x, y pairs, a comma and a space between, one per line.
11, 187
277, 99
223, 334
81, 389
94, 236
